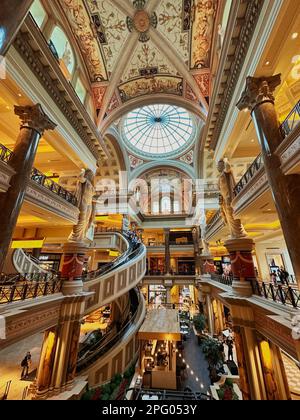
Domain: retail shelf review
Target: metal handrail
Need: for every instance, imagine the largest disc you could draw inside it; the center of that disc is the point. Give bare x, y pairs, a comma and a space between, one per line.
28, 290
5, 154
41, 179
98, 350
253, 169
221, 278
291, 121
214, 219
286, 295
132, 252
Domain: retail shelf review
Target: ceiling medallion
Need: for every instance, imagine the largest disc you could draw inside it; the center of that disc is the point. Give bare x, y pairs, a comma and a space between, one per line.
142, 21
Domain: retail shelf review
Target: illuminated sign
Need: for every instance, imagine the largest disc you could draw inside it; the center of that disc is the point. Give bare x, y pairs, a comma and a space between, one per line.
30, 244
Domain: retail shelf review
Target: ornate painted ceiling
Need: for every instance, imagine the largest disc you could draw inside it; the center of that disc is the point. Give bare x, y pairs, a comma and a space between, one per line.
134, 48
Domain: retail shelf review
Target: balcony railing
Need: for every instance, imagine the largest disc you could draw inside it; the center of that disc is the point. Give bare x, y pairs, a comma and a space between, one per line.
41, 179
20, 291
221, 278
214, 220
52, 186
291, 121
5, 154
254, 168
286, 295
153, 273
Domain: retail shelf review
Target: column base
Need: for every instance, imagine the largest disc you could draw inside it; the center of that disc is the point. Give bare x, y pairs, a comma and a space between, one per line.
242, 288
71, 288
240, 251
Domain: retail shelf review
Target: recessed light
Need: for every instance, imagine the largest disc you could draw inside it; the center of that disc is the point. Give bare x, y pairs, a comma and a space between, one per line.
19, 95
267, 63
252, 141
295, 35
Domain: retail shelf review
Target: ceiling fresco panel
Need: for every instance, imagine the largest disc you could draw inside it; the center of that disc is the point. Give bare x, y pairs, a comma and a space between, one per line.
173, 24
147, 86
148, 60
79, 20
110, 28
202, 32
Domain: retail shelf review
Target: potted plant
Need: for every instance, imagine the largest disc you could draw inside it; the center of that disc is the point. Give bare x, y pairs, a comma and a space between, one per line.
213, 352
199, 325
227, 392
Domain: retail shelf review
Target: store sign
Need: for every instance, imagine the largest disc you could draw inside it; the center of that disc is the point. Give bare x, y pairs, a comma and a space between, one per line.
114, 253
33, 244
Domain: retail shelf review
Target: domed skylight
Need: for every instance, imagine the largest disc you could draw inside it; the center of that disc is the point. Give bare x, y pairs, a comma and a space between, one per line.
158, 131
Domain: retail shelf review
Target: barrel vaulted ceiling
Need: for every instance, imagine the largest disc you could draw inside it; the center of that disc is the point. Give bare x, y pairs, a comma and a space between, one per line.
134, 48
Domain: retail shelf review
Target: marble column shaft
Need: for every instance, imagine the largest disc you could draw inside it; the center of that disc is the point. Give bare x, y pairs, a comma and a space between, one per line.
167, 251
12, 15
259, 97
33, 124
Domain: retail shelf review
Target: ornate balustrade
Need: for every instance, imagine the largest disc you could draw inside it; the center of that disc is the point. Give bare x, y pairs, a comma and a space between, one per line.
221, 278
5, 154
286, 295
251, 172
52, 186
23, 290
291, 121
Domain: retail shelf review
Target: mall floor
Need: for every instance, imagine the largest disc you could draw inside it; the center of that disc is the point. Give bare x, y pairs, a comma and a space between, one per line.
194, 358
10, 365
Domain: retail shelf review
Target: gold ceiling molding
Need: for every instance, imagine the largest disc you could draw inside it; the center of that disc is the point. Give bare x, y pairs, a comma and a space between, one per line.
159, 42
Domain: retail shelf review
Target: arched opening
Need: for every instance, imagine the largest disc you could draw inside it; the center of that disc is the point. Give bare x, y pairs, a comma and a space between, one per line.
62, 50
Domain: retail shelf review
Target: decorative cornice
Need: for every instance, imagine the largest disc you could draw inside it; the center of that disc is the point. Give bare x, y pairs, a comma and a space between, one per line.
237, 58
66, 100
41, 197
6, 172
289, 150
255, 188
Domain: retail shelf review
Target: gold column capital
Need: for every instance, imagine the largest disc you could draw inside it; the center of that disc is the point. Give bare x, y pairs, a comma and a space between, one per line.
35, 118
258, 90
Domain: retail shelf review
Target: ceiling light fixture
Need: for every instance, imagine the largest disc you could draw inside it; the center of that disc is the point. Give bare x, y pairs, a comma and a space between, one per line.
295, 35
267, 63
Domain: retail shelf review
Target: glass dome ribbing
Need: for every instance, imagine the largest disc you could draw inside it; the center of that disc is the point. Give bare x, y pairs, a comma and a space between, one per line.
156, 131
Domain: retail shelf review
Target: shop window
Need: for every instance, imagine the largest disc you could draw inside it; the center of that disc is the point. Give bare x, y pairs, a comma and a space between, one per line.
155, 207
61, 48
38, 13
177, 208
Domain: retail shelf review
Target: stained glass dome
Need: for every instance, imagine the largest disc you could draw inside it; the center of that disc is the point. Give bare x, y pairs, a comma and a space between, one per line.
156, 131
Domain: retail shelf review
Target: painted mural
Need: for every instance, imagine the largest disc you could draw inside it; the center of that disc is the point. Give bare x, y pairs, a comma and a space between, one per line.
147, 60
147, 86
98, 94
80, 23
170, 24
110, 26
202, 31
203, 82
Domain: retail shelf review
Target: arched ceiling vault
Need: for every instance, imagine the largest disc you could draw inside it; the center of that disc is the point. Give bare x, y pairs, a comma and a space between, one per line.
141, 49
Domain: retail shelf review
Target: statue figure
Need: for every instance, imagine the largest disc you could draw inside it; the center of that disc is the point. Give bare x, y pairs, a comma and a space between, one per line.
196, 232
85, 194
226, 186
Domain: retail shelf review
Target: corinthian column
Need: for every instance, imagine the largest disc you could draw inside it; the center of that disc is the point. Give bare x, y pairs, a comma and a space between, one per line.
259, 98
33, 124
167, 252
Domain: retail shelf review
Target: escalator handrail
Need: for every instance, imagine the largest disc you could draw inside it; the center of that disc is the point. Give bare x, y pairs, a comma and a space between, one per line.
132, 252
85, 362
